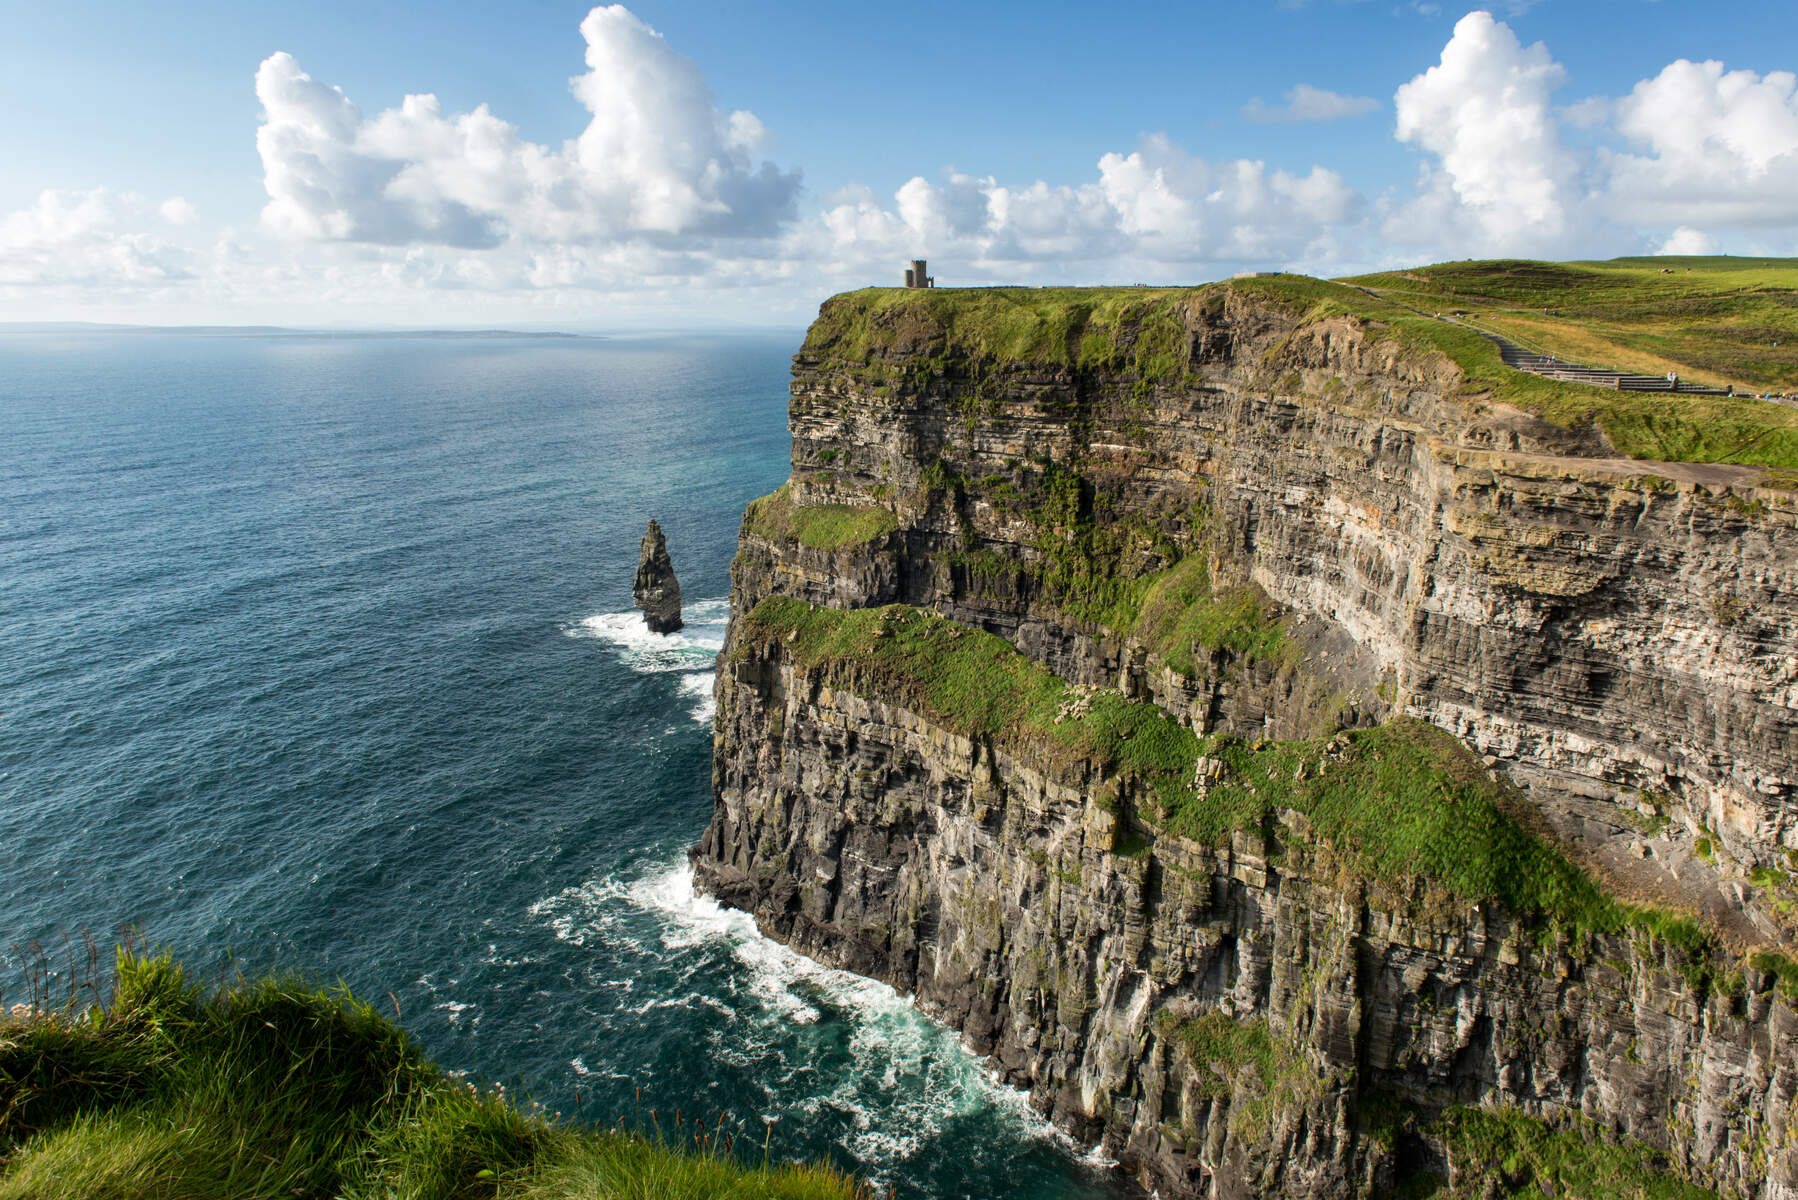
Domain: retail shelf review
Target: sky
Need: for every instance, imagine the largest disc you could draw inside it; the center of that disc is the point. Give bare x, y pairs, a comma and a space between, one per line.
731, 163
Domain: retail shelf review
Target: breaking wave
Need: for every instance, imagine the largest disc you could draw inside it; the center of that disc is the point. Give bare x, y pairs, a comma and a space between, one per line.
690, 652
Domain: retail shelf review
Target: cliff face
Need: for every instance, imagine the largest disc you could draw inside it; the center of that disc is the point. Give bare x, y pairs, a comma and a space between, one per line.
1271, 525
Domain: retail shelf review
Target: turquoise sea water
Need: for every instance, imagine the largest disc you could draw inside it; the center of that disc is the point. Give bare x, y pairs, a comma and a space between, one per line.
318, 653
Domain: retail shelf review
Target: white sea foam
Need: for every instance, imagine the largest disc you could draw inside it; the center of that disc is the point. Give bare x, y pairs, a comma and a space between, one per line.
697, 687
908, 1078
911, 1076
691, 651
455, 1009
588, 914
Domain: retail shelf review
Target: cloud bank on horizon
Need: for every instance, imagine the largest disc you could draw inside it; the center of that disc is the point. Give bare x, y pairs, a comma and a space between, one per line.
665, 198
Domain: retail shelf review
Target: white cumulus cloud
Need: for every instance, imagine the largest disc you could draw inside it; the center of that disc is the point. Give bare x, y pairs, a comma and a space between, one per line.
1686, 240
1157, 210
1722, 148
177, 211
657, 159
664, 201
85, 238
1504, 181
1307, 103
1184, 208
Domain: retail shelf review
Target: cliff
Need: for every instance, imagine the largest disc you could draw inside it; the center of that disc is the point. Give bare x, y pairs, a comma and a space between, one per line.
1308, 766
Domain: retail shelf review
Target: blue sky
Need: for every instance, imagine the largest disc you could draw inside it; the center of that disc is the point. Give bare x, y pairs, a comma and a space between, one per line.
198, 165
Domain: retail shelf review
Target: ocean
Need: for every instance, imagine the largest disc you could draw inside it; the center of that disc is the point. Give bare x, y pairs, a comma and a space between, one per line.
318, 653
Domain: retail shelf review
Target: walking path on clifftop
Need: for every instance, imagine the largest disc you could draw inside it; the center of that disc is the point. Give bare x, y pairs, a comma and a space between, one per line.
1522, 358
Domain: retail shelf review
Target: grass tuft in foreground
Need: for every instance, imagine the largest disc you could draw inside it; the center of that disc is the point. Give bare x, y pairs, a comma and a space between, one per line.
275, 1088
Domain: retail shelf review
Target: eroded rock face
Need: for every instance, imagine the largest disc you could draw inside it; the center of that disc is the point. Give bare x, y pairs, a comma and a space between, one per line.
1012, 907
1615, 631
656, 590
1619, 638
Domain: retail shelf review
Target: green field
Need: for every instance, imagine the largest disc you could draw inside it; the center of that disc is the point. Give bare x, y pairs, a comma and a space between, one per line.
1721, 321
1713, 320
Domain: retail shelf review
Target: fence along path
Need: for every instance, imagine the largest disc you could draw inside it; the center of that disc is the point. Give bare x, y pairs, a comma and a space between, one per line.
1549, 367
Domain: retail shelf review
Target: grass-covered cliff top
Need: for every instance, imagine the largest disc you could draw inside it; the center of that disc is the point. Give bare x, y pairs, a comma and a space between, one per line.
1723, 320
1715, 325
277, 1089
1069, 328
1401, 804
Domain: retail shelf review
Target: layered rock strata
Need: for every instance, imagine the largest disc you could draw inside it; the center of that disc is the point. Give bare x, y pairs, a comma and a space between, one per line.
1365, 540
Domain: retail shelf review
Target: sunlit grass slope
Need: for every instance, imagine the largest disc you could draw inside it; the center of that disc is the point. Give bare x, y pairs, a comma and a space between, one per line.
1716, 320
275, 1088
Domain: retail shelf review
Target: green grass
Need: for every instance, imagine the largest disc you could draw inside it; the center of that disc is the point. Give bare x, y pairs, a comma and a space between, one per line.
1098, 561
1092, 551
1718, 324
1780, 966
1139, 329
1508, 1154
1645, 425
819, 526
1408, 797
1495, 1151
1408, 801
1090, 555
1178, 613
1246, 1062
978, 685
1225, 1049
1724, 320
275, 1088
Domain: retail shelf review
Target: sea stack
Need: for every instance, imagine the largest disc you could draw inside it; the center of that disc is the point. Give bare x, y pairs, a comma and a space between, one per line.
657, 591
